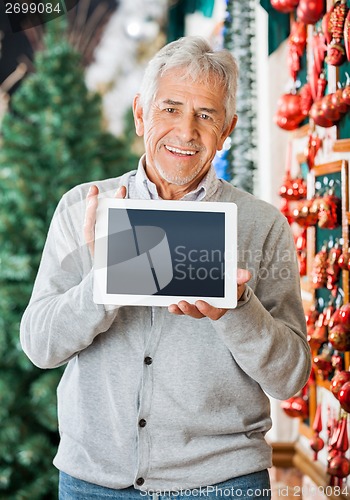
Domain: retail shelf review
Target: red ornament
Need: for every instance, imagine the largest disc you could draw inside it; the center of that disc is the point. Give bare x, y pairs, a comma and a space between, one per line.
337, 362
316, 442
289, 113
329, 211
306, 98
284, 6
336, 54
339, 465
319, 273
327, 27
318, 116
296, 47
292, 189
338, 101
344, 316
343, 260
344, 396
337, 20
334, 319
329, 110
339, 337
333, 269
295, 407
310, 11
346, 95
311, 150
338, 381
347, 36
304, 214
323, 365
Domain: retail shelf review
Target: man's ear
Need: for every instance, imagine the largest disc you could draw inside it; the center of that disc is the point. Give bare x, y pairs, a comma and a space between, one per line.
227, 131
137, 109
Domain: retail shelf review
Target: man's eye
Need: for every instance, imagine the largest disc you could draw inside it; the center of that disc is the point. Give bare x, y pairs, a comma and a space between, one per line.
170, 110
204, 116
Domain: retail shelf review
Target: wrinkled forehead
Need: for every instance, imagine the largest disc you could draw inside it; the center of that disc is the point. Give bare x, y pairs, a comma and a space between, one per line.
186, 74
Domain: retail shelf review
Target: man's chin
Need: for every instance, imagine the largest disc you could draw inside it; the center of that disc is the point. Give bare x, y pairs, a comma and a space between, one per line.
179, 180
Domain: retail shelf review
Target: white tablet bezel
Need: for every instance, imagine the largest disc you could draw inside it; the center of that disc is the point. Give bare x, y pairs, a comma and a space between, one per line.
100, 296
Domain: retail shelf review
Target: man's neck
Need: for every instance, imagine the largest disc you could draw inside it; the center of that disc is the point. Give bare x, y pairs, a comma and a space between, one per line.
169, 191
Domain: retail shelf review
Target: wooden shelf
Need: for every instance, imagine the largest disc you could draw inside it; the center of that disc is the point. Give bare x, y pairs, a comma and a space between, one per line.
317, 474
341, 146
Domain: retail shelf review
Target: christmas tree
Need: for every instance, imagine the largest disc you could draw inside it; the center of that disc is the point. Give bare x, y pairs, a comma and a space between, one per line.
52, 139
239, 38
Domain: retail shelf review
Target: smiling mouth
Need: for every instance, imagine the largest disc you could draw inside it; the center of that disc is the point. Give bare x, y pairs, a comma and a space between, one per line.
181, 152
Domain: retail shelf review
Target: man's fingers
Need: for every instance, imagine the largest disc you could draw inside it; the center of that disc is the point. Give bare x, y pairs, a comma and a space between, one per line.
174, 309
121, 192
209, 311
90, 214
90, 217
243, 276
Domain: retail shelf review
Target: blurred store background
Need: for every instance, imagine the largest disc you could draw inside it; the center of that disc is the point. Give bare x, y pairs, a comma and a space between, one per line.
66, 88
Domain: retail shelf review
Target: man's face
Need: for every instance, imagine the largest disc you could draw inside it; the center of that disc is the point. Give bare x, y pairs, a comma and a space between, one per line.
182, 130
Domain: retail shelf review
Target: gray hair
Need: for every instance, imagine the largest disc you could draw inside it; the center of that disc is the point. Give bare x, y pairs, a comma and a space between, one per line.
200, 62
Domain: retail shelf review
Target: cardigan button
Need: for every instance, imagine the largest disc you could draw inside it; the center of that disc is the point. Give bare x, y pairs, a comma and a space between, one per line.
142, 422
148, 360
140, 481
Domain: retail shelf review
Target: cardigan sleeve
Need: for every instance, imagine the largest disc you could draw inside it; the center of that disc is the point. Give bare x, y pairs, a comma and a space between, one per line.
266, 333
61, 318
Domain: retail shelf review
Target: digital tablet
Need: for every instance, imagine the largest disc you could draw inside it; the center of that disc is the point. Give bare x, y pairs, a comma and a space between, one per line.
158, 252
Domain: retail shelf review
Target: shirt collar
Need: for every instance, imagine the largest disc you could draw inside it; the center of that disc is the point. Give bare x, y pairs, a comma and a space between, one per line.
148, 190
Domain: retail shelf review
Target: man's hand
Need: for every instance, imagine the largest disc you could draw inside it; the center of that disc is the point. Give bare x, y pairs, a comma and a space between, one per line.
90, 214
202, 309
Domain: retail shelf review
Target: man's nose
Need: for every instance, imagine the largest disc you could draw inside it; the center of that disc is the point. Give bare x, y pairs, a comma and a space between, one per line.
188, 128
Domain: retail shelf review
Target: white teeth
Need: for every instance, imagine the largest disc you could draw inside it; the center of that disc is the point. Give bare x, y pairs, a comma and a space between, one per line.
180, 151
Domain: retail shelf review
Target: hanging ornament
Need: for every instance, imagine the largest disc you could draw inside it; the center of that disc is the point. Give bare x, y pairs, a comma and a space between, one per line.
344, 396
306, 98
284, 6
323, 363
310, 11
289, 113
333, 269
343, 260
334, 431
339, 337
338, 381
346, 93
339, 465
313, 145
319, 273
347, 36
311, 316
296, 47
338, 101
304, 214
316, 442
336, 51
293, 189
337, 362
318, 115
316, 70
297, 406
334, 318
327, 27
329, 215
330, 112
